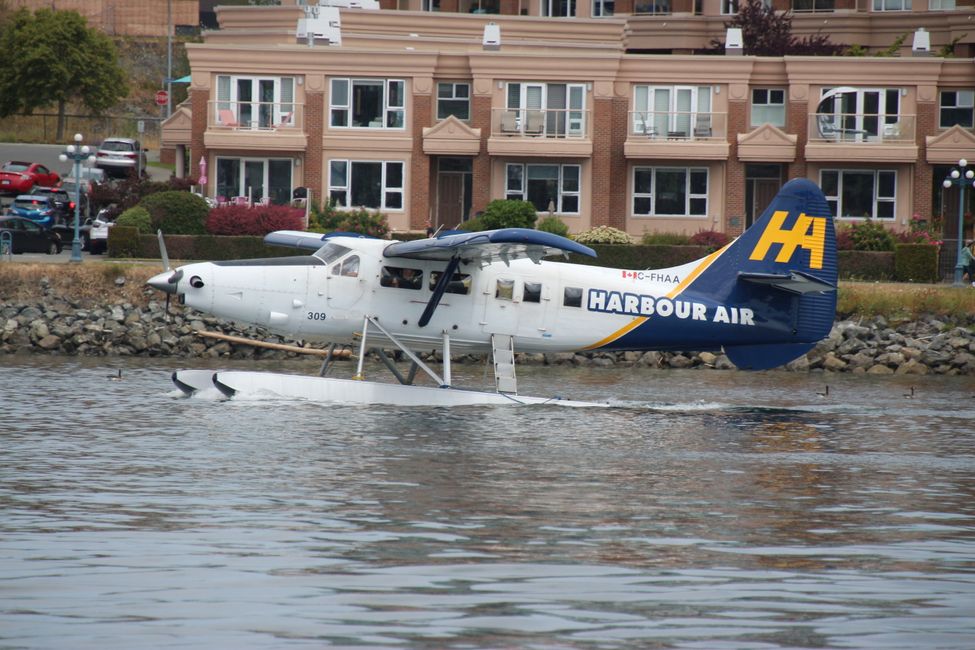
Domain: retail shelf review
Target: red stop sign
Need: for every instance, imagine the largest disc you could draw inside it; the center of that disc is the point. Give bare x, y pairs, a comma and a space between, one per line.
162, 97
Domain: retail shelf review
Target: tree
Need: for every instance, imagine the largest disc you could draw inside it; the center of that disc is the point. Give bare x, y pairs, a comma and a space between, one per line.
53, 58
765, 32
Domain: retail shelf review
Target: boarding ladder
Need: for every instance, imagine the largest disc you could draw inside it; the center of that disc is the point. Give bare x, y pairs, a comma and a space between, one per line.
503, 353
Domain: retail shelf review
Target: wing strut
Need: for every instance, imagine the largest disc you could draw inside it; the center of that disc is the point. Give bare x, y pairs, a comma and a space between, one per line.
439, 290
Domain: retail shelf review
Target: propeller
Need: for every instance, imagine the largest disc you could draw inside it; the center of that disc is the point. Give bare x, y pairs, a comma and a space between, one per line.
165, 281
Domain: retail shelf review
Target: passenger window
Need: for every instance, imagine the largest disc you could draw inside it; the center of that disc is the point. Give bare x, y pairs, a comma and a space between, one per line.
403, 278
459, 282
572, 297
505, 290
533, 292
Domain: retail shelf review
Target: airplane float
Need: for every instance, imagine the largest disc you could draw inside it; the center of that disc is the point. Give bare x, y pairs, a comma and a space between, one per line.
764, 299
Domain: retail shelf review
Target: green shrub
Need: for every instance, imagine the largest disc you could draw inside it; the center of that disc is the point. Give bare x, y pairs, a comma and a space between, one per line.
865, 265
665, 239
124, 241
137, 217
603, 235
474, 224
553, 225
870, 235
916, 263
177, 213
508, 213
325, 218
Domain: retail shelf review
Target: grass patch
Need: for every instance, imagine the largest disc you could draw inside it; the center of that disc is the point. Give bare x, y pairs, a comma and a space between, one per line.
900, 301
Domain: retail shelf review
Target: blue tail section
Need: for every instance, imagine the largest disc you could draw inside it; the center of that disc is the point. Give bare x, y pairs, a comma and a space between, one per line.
783, 268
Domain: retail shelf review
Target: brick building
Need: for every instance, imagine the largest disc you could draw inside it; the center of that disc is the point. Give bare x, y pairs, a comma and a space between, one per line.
126, 17
414, 115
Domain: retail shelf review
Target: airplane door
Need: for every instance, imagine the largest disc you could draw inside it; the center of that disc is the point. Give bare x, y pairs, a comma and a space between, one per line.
344, 283
500, 308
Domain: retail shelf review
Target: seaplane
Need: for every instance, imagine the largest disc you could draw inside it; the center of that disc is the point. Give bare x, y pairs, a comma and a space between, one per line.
764, 299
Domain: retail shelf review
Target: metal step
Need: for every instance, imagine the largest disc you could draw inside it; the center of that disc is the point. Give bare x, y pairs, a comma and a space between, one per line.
503, 353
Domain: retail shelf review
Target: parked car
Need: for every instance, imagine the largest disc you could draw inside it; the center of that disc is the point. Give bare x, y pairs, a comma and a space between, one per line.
121, 156
69, 186
37, 208
17, 177
26, 236
63, 202
95, 238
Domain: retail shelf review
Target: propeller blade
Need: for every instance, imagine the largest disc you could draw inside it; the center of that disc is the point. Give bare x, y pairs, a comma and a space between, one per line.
162, 250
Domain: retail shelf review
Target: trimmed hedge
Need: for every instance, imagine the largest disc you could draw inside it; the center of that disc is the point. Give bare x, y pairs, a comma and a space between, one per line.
177, 212
638, 256
916, 263
866, 265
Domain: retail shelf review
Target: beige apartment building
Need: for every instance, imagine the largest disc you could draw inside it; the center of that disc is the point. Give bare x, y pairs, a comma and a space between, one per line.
429, 115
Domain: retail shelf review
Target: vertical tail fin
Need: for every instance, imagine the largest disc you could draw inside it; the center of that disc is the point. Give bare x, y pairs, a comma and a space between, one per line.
785, 267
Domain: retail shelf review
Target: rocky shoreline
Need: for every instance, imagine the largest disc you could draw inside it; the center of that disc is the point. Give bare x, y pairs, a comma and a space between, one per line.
53, 325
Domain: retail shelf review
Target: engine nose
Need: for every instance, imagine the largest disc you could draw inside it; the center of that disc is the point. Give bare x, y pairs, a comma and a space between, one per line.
167, 281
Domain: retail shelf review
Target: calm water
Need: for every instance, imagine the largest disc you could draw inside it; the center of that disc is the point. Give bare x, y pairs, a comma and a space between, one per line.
712, 510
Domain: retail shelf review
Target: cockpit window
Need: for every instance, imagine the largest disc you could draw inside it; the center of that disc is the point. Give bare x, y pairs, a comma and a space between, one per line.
331, 252
459, 282
348, 268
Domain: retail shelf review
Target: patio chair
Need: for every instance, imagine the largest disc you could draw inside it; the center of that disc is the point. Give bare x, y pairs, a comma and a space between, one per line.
227, 117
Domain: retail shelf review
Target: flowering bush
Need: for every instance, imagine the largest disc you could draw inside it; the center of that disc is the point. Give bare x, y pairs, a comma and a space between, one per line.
710, 238
258, 220
603, 235
325, 217
921, 231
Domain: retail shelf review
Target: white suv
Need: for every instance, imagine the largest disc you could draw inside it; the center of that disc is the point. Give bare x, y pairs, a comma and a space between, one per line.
121, 156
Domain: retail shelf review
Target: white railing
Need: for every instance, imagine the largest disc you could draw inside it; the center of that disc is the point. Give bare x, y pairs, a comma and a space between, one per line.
255, 116
869, 128
540, 122
678, 125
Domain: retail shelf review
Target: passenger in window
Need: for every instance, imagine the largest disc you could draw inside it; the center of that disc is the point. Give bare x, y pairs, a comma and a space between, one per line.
350, 267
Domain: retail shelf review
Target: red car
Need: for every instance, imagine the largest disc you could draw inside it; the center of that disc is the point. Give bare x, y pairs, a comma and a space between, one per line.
18, 177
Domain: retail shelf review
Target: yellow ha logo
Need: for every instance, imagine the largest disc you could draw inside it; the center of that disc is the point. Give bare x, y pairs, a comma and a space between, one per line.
808, 233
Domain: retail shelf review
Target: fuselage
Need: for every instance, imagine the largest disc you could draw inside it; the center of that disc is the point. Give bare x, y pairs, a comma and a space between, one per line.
547, 307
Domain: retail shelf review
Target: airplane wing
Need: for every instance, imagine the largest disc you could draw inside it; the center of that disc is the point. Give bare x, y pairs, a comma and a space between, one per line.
295, 239
485, 247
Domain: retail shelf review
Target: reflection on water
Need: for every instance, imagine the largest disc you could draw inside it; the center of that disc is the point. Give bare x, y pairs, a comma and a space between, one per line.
709, 510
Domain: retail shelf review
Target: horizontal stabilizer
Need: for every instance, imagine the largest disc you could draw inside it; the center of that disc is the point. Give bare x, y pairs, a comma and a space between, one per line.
792, 282
485, 247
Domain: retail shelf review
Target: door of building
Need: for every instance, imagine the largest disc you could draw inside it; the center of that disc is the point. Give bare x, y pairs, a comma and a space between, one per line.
454, 179
762, 183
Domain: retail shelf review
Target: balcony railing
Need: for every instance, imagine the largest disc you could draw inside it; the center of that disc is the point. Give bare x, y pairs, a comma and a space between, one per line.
255, 116
870, 128
540, 122
652, 7
678, 125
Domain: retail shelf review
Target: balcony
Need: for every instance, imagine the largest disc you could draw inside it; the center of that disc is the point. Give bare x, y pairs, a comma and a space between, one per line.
862, 137
677, 134
540, 132
270, 126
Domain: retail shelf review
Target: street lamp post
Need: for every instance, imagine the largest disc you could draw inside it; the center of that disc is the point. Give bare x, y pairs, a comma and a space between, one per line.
960, 176
77, 153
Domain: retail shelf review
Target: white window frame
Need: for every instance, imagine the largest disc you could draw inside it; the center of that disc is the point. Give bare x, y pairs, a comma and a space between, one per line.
853, 116
660, 108
769, 107
891, 5
567, 119
340, 109
261, 115
836, 200
689, 197
564, 184
265, 182
547, 8
964, 98
386, 191
729, 7
454, 85
941, 5
603, 8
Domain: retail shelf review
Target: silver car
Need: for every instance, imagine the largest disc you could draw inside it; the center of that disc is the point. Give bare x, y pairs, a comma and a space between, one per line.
121, 156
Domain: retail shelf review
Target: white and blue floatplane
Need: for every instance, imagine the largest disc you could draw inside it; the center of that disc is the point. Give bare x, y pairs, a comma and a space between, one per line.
764, 299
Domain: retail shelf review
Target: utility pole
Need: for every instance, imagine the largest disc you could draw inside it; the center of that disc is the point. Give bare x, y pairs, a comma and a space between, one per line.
169, 57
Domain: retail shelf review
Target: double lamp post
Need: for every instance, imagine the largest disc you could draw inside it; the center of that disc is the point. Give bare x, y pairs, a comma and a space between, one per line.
78, 154
963, 177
